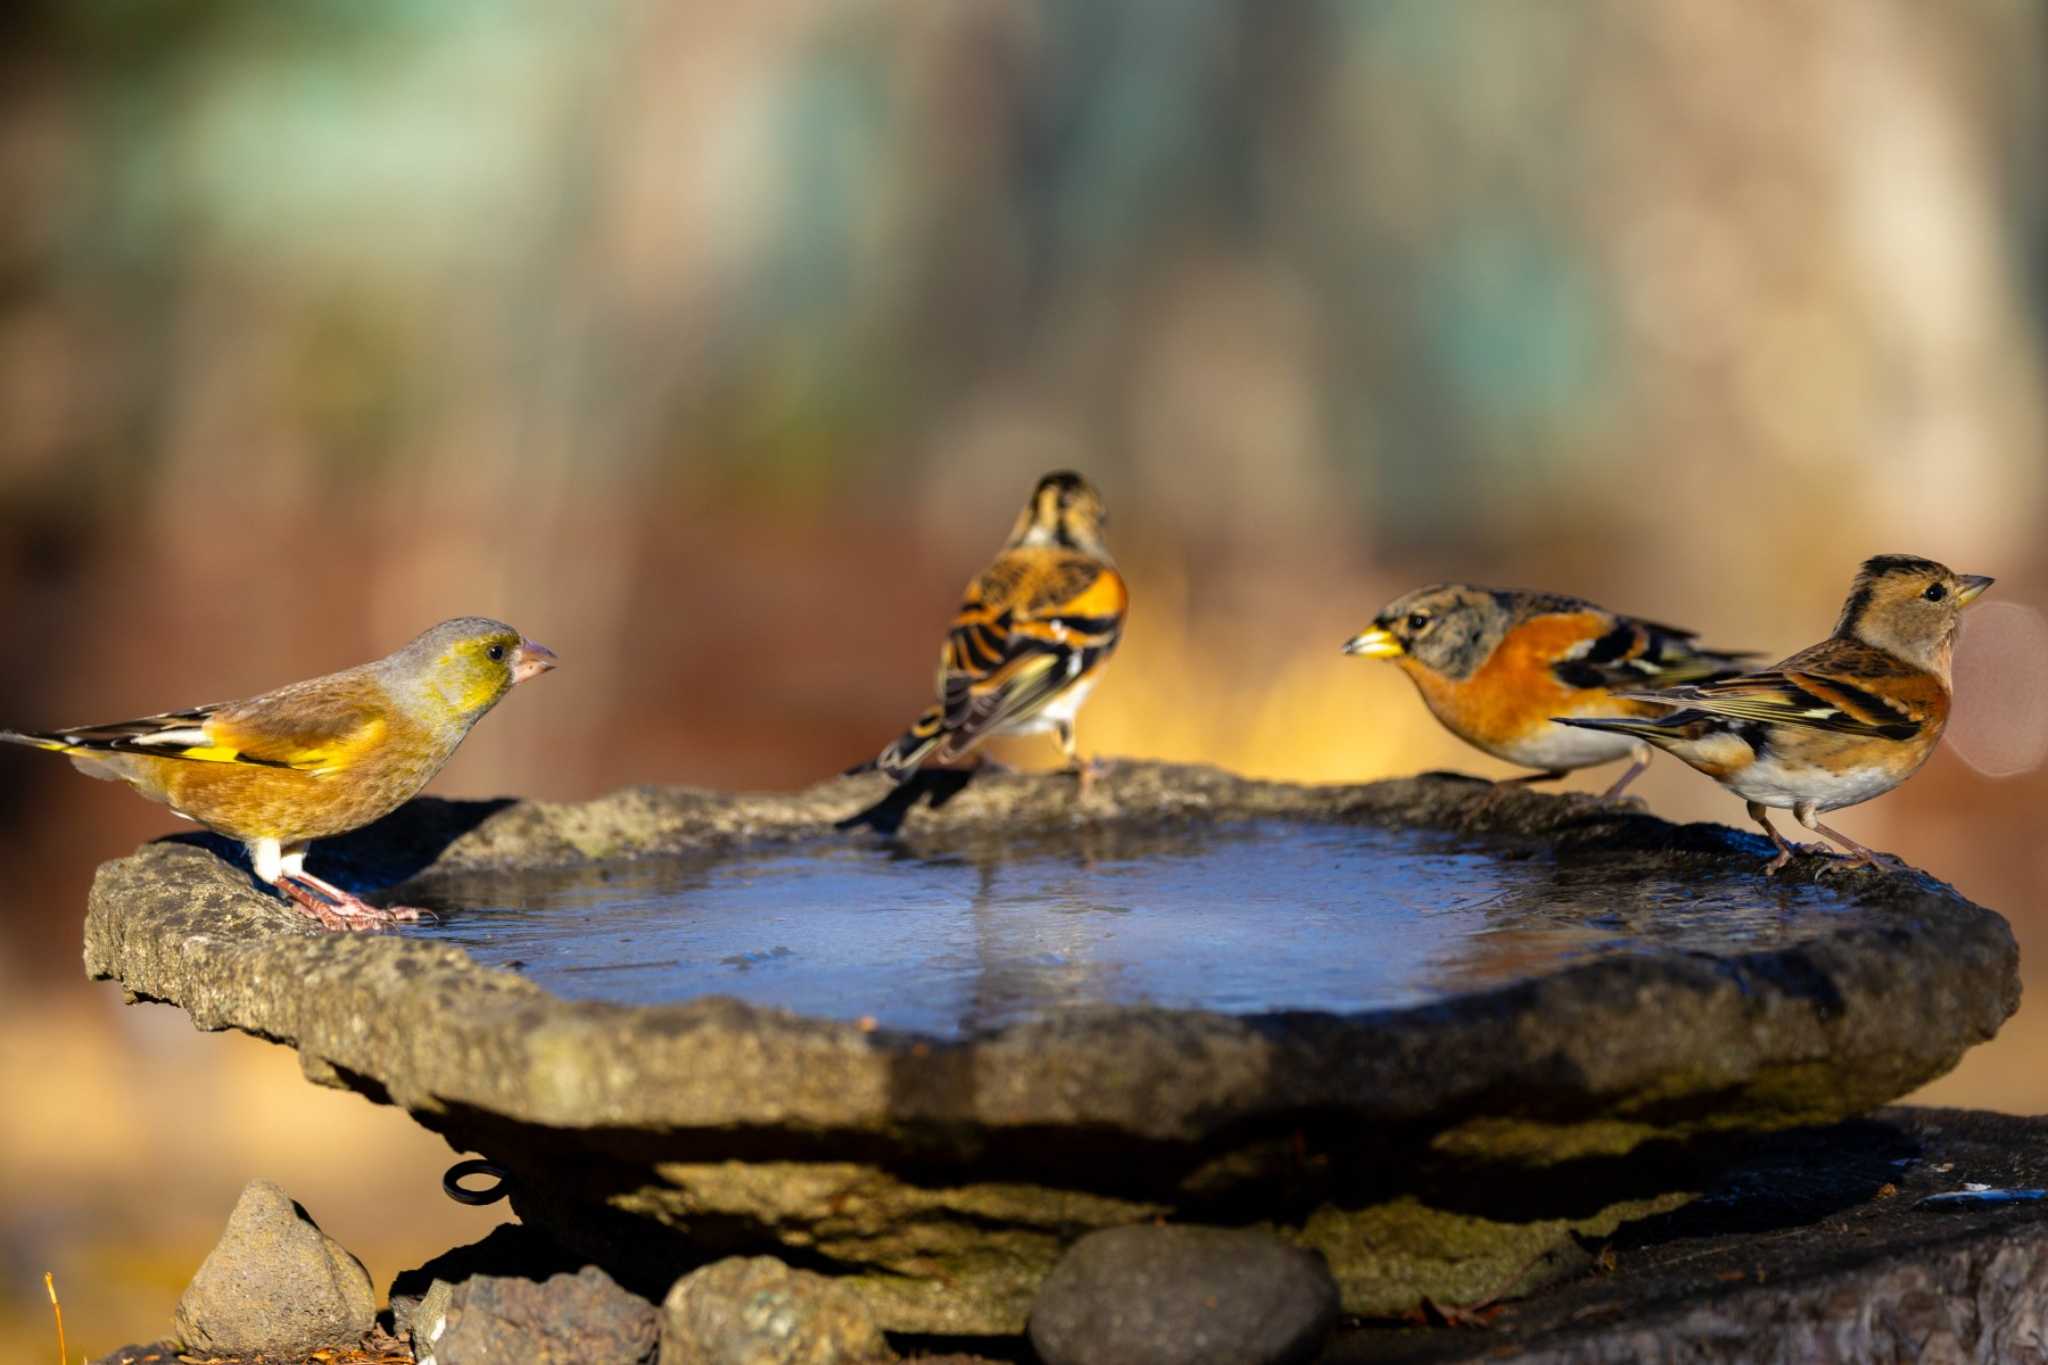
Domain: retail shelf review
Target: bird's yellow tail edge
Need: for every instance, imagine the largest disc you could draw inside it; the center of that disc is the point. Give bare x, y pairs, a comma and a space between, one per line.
45, 742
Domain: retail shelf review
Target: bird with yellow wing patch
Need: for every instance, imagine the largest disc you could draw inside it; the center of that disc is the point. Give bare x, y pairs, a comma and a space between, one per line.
1030, 638
313, 759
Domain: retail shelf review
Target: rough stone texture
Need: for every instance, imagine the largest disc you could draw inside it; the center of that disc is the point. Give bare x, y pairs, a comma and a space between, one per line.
757, 1311
1815, 1250
1177, 1295
580, 1319
275, 1284
942, 1180
509, 1249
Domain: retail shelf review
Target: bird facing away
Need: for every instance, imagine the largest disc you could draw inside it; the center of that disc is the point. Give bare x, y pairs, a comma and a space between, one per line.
1497, 666
317, 758
1837, 723
1030, 638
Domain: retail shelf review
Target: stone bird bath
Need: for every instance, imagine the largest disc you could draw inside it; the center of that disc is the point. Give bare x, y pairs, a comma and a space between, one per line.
1443, 1033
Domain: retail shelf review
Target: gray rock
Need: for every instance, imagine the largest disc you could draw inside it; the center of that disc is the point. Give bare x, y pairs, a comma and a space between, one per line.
275, 1284
757, 1311
509, 1249
942, 1180
580, 1319
1179, 1295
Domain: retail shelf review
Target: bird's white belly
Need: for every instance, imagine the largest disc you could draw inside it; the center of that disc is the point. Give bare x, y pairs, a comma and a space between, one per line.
1060, 709
1563, 748
1770, 781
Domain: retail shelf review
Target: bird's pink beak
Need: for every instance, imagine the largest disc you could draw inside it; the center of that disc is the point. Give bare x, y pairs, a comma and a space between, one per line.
531, 660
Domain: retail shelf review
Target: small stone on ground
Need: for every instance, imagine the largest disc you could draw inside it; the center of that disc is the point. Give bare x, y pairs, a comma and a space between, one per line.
509, 1249
1178, 1295
580, 1319
275, 1285
754, 1310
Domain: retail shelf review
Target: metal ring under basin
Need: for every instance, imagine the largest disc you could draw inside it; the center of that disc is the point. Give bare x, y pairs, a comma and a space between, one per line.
452, 1178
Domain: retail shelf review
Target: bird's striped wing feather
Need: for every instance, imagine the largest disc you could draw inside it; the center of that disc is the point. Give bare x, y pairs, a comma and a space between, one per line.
1632, 653
307, 734
1802, 699
1031, 627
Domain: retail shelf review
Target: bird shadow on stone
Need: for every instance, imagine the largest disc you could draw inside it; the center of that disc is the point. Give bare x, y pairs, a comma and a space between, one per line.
933, 786
383, 854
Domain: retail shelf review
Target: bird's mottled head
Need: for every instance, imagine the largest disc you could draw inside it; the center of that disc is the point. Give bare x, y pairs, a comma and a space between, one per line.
1064, 510
1448, 627
467, 664
1910, 608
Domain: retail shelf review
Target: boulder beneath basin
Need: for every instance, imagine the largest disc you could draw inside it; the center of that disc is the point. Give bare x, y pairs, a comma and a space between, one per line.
1442, 1148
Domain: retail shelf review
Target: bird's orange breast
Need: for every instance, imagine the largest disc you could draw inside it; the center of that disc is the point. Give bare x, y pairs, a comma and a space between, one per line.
1516, 691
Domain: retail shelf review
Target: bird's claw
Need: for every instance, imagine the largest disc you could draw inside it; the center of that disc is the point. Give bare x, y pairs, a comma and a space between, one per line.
335, 909
1085, 772
1870, 858
1786, 852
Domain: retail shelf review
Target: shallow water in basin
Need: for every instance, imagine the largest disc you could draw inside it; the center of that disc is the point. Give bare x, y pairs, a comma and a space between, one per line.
1241, 919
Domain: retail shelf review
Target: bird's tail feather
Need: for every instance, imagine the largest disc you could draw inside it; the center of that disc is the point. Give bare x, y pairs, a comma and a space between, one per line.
912, 748
1643, 727
56, 744
1707, 665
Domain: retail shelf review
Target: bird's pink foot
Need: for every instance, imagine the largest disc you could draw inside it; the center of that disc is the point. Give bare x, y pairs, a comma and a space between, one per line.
1787, 851
1862, 857
342, 911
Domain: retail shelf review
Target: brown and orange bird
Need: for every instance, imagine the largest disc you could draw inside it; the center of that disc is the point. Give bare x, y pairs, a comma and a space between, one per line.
1837, 723
313, 759
1030, 640
1498, 666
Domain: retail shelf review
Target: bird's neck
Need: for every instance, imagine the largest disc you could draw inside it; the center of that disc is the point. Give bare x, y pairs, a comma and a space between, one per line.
1936, 656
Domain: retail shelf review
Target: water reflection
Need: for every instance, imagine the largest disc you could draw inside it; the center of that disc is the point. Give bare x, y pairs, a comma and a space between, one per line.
1244, 919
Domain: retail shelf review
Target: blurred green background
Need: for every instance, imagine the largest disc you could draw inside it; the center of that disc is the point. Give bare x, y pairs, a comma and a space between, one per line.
716, 346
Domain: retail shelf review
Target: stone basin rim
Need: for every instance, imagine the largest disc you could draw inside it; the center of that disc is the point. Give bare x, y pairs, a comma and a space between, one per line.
1923, 975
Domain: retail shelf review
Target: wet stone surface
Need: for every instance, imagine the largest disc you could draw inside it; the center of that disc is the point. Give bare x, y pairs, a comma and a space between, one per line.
1239, 918
1449, 1036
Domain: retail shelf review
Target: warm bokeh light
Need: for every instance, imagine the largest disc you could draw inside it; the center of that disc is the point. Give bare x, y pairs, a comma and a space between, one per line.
2000, 727
716, 346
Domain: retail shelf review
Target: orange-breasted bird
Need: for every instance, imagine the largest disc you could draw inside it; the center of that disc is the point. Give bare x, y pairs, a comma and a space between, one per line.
1837, 723
1031, 636
313, 759
1497, 666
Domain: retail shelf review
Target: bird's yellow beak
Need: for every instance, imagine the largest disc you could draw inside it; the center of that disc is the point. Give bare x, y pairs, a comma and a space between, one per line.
1973, 585
531, 660
1375, 644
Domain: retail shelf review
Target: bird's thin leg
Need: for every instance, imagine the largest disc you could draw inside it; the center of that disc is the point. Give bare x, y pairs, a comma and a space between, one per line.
1641, 757
1084, 773
1063, 735
1785, 850
1859, 856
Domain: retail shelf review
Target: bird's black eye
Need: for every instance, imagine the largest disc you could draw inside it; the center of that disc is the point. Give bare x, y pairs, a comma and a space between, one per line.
1417, 620
1935, 593
497, 653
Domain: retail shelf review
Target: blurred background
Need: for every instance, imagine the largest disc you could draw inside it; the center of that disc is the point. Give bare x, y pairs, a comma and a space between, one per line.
717, 345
